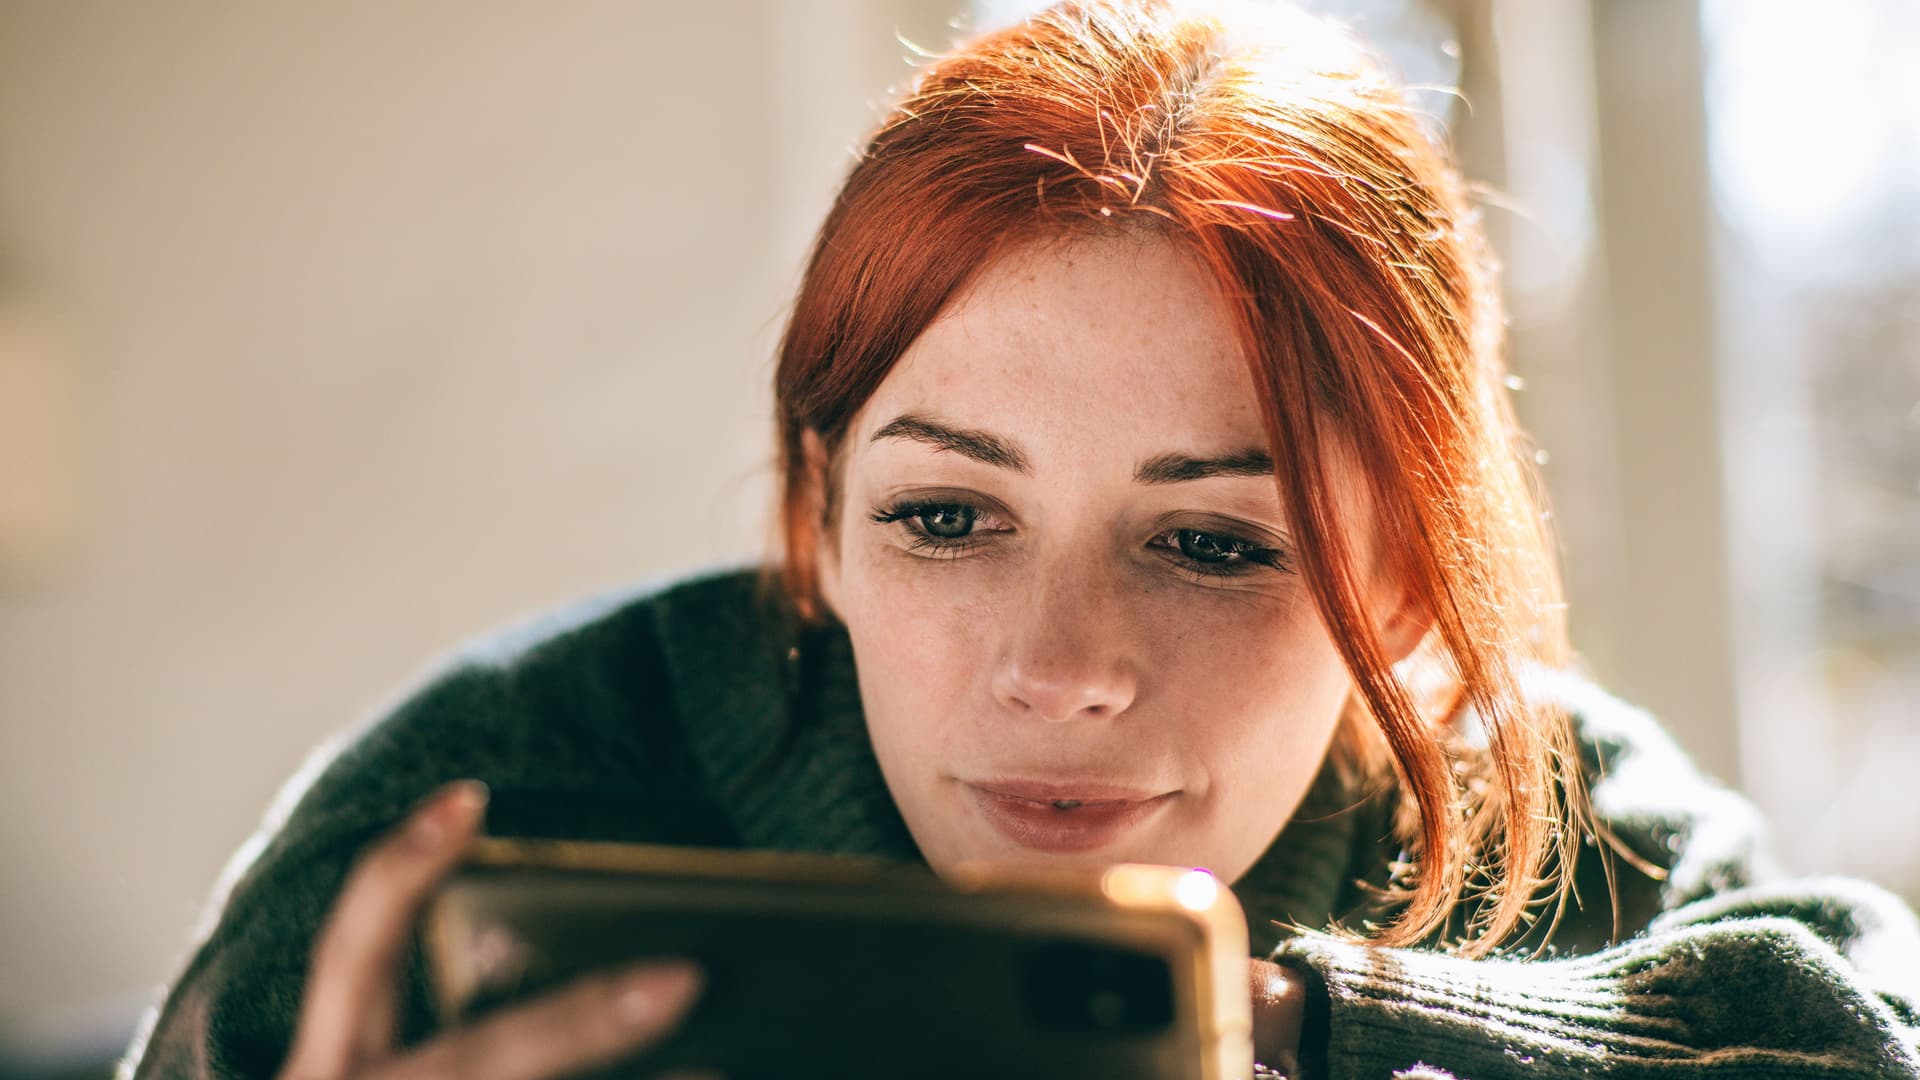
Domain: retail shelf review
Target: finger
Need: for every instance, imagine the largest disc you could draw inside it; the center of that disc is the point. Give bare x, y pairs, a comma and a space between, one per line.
1279, 1003
591, 1022
348, 1013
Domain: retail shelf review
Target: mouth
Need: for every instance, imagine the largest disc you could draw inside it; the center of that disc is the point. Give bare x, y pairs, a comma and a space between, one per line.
1070, 817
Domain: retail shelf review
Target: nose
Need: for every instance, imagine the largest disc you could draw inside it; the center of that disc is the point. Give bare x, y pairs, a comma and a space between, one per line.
1067, 654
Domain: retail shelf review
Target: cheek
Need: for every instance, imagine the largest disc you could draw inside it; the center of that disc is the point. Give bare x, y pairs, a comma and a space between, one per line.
1257, 692
1251, 652
1256, 687
917, 644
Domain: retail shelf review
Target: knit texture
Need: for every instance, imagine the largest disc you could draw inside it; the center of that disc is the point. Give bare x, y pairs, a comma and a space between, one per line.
697, 714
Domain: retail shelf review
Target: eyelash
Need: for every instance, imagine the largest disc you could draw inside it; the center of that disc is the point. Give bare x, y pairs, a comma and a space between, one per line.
941, 547
908, 513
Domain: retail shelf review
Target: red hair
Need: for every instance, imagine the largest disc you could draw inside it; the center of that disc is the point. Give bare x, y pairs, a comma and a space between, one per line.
1341, 238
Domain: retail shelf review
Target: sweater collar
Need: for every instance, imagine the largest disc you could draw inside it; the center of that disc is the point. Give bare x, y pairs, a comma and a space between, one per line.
773, 714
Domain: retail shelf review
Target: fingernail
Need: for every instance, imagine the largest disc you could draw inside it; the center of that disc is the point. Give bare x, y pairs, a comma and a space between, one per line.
655, 992
453, 809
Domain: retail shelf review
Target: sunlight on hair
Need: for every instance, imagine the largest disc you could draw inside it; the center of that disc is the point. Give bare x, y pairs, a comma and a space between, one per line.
1414, 38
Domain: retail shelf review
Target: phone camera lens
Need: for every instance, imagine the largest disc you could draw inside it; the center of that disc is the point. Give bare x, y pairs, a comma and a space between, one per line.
1107, 1008
1095, 989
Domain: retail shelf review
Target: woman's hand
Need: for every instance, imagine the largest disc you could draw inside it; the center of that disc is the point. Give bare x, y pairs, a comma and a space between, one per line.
1279, 1005
349, 1015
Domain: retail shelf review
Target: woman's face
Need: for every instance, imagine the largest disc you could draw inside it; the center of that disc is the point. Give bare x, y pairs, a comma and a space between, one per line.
1060, 553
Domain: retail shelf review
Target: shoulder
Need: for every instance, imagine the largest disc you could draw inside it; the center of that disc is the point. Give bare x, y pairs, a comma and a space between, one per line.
1661, 833
1642, 784
574, 717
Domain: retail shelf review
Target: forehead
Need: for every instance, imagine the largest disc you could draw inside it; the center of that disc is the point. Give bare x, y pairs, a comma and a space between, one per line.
1117, 338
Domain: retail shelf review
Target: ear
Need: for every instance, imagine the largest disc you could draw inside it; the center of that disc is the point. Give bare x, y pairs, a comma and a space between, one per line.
1403, 625
826, 549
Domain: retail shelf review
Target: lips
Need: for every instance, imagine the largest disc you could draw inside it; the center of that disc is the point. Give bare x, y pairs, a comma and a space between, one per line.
1070, 817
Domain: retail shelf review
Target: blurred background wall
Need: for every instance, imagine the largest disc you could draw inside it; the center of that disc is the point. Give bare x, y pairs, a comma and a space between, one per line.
338, 333
331, 335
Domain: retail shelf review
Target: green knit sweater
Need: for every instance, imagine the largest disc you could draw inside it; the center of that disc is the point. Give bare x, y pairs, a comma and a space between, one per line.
696, 714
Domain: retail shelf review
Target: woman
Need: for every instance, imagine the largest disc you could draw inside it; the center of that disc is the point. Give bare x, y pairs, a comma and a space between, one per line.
1149, 493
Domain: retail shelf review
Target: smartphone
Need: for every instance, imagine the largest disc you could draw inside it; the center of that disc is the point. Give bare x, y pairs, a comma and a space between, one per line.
843, 967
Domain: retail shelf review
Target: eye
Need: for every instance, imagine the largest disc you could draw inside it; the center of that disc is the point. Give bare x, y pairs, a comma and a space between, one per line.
1204, 546
945, 527
1215, 553
946, 522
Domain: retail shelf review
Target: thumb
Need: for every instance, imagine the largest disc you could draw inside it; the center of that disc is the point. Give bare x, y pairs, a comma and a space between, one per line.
1279, 1007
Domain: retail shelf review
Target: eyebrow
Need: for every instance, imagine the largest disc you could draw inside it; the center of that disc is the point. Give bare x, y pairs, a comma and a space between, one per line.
981, 446
1177, 468
990, 449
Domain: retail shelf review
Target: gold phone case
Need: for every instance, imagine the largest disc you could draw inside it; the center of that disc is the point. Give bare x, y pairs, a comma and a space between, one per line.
832, 966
